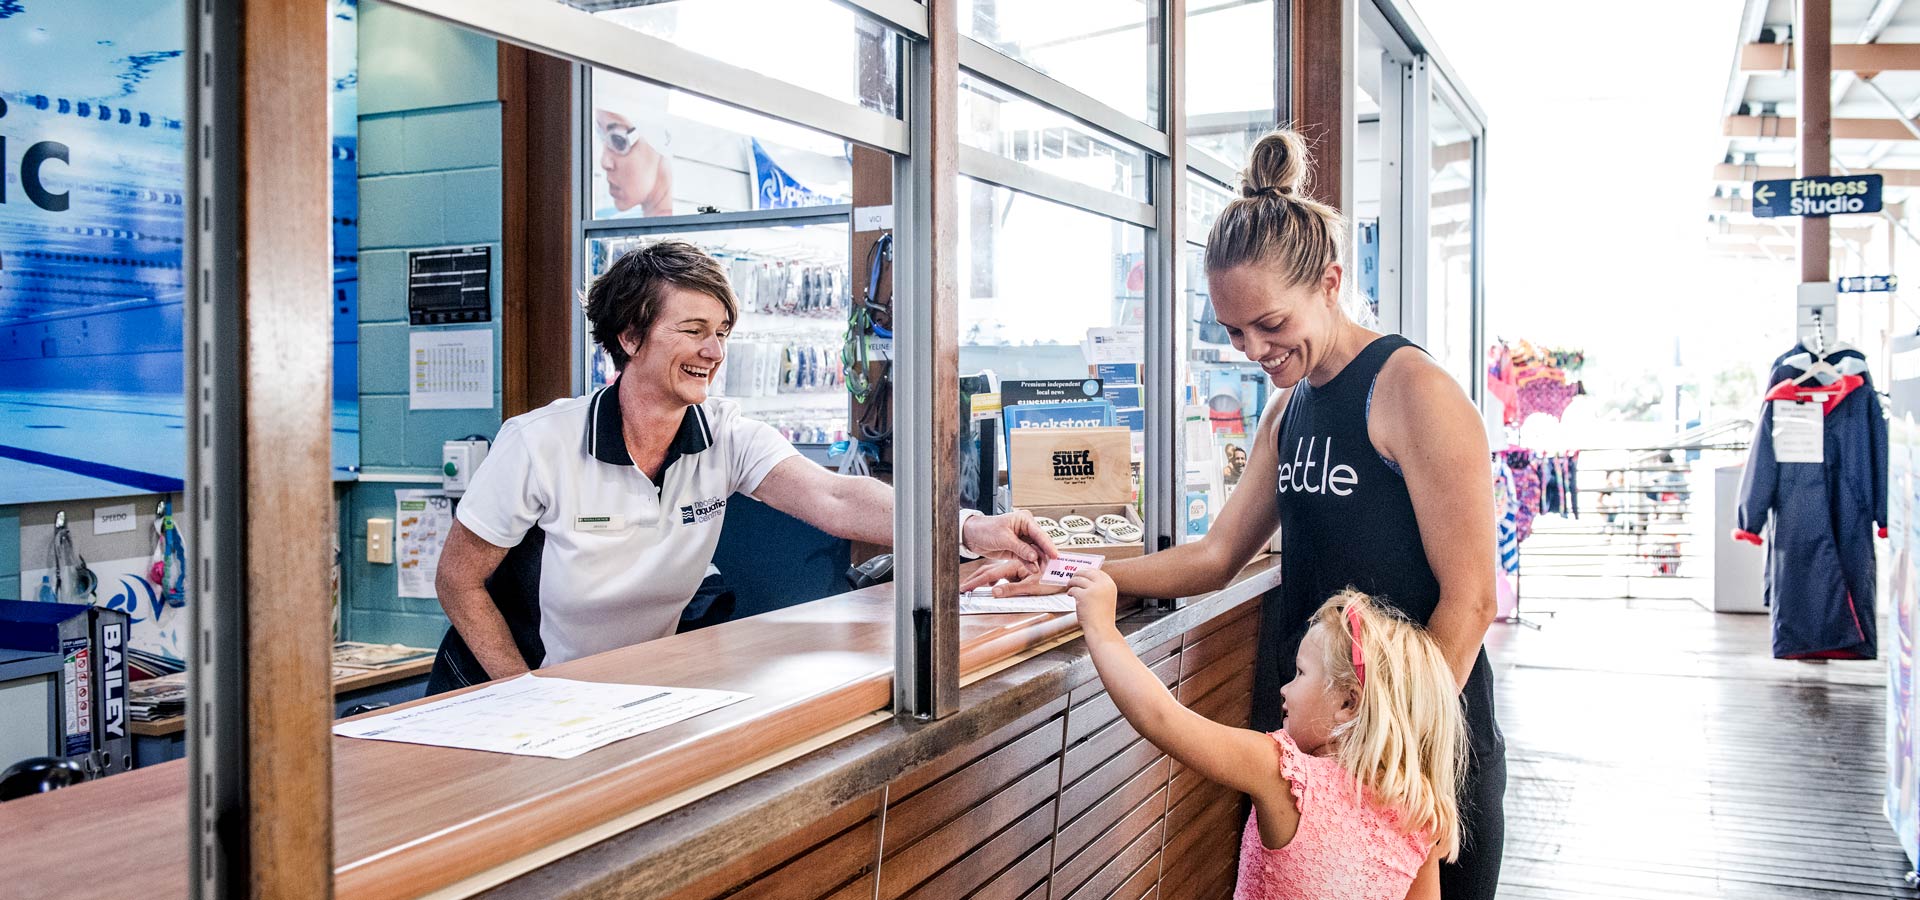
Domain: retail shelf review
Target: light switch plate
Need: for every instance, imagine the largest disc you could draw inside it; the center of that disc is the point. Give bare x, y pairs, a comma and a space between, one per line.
380, 541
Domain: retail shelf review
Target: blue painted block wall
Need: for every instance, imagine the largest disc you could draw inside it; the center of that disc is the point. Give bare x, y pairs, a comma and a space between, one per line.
10, 553
429, 177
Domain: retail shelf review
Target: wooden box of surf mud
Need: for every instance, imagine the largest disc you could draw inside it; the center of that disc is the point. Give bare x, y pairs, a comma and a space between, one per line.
1079, 481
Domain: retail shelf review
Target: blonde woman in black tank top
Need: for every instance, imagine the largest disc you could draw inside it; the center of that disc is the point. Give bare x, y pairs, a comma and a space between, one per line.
1371, 460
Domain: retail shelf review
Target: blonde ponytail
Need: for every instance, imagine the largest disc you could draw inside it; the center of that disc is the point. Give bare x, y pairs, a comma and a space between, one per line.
1278, 164
1407, 744
1274, 223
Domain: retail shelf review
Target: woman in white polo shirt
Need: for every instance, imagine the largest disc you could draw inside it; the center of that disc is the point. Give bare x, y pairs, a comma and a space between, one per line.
626, 487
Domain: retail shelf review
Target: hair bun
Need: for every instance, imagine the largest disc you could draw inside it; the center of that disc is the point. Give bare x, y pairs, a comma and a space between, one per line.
1277, 166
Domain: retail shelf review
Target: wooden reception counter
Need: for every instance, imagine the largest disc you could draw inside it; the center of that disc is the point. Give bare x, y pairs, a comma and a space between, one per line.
809, 789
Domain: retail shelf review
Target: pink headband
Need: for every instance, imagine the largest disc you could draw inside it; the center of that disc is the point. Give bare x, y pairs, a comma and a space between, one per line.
1359, 662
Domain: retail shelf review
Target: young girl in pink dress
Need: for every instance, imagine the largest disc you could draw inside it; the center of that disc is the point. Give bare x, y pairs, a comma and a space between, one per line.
1354, 797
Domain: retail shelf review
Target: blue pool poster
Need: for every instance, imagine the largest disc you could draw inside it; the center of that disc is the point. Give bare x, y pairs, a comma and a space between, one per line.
92, 226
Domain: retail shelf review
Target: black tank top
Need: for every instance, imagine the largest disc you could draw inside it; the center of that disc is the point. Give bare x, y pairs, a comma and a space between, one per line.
1346, 520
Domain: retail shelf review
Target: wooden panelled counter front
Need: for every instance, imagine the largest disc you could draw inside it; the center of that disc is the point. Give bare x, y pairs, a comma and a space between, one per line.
1035, 789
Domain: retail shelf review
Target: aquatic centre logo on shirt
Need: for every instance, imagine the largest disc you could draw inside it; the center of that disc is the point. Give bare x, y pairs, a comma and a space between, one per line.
696, 513
1308, 454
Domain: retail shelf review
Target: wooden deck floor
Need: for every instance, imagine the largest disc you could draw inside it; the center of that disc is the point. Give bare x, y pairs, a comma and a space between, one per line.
1656, 750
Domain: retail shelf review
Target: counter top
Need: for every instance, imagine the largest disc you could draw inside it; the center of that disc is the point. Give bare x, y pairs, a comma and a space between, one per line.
411, 819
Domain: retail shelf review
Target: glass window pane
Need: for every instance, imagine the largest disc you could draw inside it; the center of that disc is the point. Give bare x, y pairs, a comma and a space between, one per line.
1006, 124
1223, 392
1450, 246
1106, 49
1205, 200
1370, 173
661, 152
1039, 281
819, 45
783, 357
1367, 188
1231, 75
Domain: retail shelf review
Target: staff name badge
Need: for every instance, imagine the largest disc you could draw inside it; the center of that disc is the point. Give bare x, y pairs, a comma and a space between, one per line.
1799, 432
599, 523
1061, 569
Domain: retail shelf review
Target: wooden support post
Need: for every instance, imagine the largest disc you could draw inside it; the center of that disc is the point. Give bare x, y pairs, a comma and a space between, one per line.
1322, 60
536, 229
286, 282
1813, 33
926, 384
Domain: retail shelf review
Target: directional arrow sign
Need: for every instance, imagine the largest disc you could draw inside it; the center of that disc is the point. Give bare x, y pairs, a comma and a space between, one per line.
1827, 195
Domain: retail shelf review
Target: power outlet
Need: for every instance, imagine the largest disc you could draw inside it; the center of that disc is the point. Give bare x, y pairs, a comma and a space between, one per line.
380, 541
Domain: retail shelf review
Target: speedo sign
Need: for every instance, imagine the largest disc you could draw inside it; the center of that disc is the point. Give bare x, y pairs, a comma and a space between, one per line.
1827, 195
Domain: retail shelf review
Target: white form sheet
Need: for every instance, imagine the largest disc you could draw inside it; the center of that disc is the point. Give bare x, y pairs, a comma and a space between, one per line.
982, 601
533, 716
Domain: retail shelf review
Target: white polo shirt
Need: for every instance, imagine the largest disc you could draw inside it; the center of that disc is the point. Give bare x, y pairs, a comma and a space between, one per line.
623, 555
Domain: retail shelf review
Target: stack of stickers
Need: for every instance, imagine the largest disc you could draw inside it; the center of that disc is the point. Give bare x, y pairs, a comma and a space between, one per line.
1080, 531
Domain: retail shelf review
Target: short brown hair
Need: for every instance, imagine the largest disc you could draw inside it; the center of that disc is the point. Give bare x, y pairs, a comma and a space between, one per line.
629, 296
1273, 222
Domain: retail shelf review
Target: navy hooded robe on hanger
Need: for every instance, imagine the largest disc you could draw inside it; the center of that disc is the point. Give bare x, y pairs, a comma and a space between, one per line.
1820, 559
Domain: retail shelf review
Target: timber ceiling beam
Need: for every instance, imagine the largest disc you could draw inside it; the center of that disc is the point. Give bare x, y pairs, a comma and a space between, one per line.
1784, 128
1448, 154
1768, 232
1866, 60
1737, 174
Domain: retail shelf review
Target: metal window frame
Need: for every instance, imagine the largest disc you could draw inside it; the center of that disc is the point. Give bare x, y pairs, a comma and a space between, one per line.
748, 218
1215, 171
583, 201
1416, 184
560, 30
926, 644
1405, 22
1200, 240
1401, 182
998, 170
909, 17
1477, 386
1057, 96
1395, 86
1457, 103
217, 772
1434, 78
1166, 362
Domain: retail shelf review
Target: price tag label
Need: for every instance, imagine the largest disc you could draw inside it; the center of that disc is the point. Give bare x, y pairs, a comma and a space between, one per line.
1799, 432
1061, 569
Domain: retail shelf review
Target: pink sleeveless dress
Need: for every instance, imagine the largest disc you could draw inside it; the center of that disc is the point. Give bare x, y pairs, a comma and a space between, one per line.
1346, 847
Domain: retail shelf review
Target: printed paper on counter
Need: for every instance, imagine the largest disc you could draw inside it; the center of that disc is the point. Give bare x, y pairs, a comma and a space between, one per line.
983, 602
558, 718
